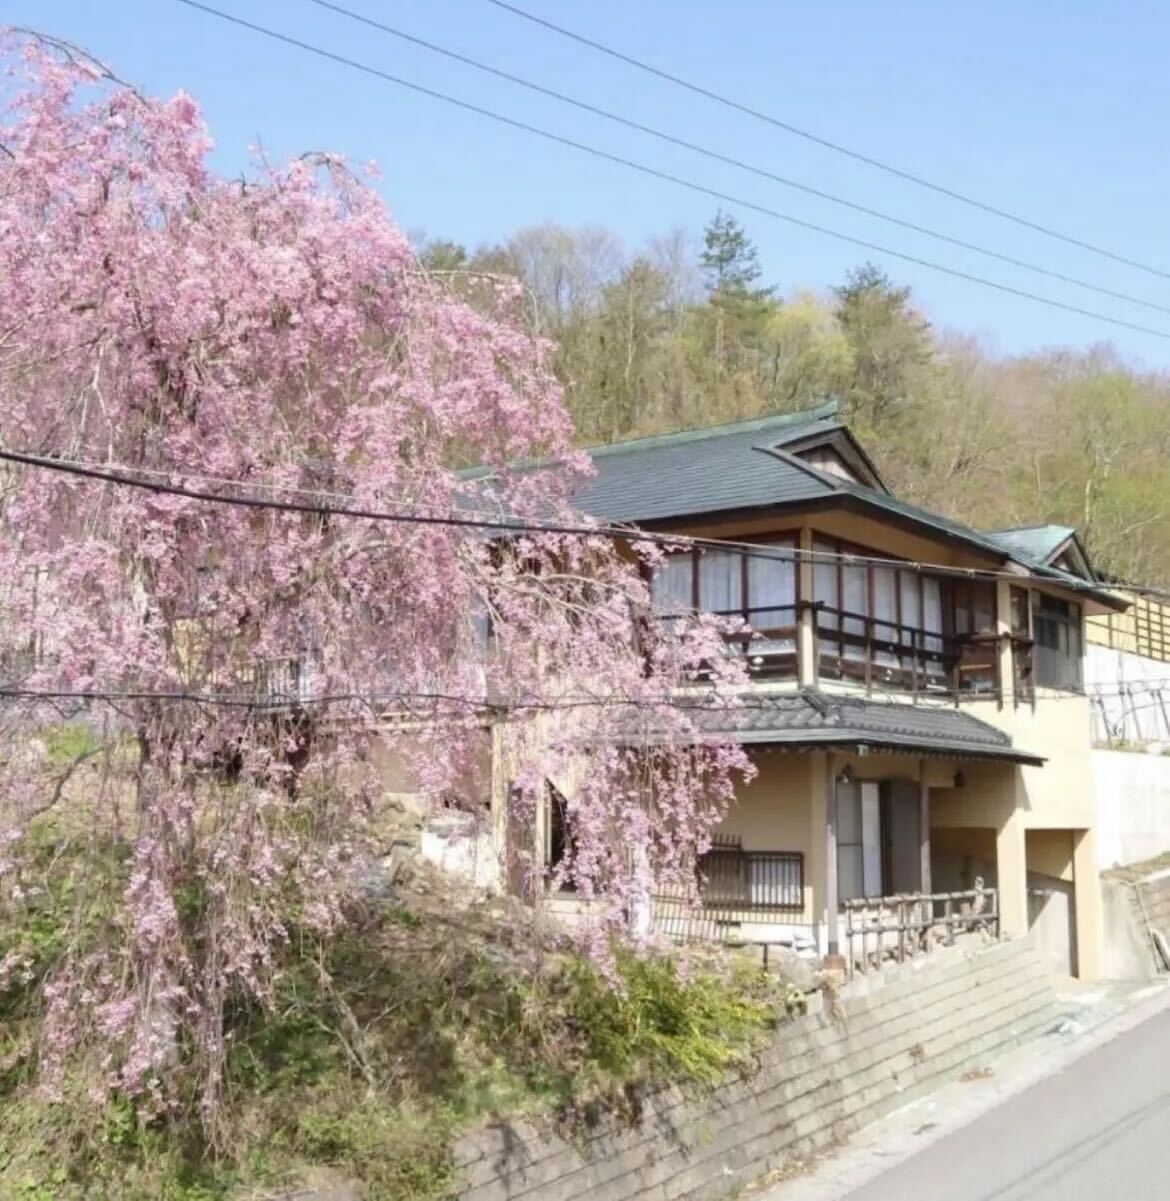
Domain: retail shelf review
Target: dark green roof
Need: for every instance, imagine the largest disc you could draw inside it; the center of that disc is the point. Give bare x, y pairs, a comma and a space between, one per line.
745, 465
708, 470
1034, 544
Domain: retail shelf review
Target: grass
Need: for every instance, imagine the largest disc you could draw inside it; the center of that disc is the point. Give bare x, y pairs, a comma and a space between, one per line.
384, 1043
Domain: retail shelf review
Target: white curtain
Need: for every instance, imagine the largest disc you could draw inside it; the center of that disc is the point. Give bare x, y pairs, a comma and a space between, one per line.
671, 587
772, 597
825, 585
932, 623
855, 586
885, 610
720, 581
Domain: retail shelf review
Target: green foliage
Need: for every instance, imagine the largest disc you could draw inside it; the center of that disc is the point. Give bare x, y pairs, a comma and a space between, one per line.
379, 1047
659, 1024
730, 260
69, 741
400, 1153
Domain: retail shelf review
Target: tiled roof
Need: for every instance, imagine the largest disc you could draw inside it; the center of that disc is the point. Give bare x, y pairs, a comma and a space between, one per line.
708, 470
740, 466
809, 718
745, 465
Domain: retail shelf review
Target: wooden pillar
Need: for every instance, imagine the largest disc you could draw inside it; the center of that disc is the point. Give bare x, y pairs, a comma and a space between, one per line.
499, 806
832, 903
1087, 901
1003, 646
806, 637
1011, 863
924, 882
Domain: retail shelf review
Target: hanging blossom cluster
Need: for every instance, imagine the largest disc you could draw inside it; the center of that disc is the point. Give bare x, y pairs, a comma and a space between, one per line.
275, 338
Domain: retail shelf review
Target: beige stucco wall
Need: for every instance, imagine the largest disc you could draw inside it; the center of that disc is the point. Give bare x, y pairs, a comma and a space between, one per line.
1058, 795
774, 812
1050, 852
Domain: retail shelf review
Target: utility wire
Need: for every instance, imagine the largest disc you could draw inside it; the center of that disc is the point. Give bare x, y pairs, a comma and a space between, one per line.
515, 526
718, 156
744, 702
837, 147
680, 181
278, 700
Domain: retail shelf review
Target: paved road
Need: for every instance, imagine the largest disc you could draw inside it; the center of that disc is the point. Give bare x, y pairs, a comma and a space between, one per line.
1098, 1129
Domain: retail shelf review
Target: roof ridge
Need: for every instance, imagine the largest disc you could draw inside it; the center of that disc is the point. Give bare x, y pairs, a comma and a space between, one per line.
1036, 525
829, 409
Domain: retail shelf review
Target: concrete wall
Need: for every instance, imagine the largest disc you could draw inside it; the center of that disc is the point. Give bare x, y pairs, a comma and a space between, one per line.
1134, 703
1154, 901
1129, 954
1132, 791
895, 1035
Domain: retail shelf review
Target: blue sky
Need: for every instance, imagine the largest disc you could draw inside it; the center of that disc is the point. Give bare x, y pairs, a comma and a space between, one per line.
1057, 111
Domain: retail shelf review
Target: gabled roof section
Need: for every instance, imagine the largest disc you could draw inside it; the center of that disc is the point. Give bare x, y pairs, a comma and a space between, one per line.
757, 465
1034, 544
1055, 546
745, 465
715, 469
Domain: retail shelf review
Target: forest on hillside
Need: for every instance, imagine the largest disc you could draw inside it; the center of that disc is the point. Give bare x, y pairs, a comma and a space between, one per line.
683, 332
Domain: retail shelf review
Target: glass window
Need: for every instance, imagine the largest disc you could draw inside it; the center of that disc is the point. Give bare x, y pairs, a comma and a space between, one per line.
974, 607
855, 600
771, 589
1056, 626
721, 581
885, 611
850, 863
859, 841
671, 587
825, 591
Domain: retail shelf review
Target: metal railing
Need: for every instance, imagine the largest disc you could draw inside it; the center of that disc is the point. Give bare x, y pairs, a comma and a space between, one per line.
877, 929
740, 880
733, 886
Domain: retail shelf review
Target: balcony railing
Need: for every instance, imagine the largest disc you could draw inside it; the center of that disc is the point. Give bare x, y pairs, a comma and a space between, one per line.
873, 652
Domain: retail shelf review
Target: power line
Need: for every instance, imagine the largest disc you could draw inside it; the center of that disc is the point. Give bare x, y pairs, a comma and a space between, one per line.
746, 702
680, 181
718, 156
837, 147
466, 520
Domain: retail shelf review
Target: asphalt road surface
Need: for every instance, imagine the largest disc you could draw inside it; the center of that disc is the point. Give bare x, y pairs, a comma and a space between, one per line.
1096, 1130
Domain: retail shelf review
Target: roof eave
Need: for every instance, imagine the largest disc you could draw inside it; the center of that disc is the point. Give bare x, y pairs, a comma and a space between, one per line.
844, 739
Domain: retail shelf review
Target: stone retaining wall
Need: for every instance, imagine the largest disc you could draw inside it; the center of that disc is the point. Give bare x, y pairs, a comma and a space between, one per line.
889, 1037
1155, 901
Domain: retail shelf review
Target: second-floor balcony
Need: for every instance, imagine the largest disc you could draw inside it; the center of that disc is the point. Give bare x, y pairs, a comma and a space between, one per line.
878, 626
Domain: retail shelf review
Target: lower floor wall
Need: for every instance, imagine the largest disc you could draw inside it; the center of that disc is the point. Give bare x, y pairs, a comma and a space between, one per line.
887, 1037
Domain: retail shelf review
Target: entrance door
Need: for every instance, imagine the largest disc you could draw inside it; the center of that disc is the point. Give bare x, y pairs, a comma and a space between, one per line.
903, 846
878, 847
859, 840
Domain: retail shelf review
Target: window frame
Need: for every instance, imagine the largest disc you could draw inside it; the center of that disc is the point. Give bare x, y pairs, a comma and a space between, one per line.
746, 608
1065, 618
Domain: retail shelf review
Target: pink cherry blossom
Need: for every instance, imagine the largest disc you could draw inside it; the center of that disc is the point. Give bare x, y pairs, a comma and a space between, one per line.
274, 337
